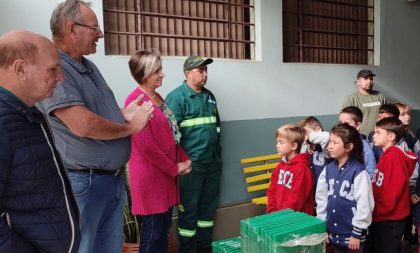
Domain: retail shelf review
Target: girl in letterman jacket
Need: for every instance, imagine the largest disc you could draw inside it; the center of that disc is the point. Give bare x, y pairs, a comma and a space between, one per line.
344, 191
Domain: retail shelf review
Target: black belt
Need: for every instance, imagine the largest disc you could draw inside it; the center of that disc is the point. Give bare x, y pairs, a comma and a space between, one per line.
96, 171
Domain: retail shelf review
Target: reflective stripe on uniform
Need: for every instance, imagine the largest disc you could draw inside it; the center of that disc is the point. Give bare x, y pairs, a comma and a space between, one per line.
218, 130
198, 121
186, 232
204, 224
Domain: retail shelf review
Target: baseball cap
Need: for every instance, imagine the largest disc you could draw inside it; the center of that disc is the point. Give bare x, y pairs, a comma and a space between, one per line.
365, 73
193, 62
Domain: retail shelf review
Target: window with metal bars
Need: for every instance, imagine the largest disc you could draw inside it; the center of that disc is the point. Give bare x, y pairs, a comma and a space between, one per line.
211, 28
328, 31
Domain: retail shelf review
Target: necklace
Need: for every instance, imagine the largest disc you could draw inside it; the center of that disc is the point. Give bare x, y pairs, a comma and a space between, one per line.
152, 97
147, 93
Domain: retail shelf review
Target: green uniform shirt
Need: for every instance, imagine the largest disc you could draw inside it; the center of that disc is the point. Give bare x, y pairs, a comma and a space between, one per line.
198, 119
369, 105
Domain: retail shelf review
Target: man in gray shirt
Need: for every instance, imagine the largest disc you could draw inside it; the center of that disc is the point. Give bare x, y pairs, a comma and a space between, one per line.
367, 100
91, 132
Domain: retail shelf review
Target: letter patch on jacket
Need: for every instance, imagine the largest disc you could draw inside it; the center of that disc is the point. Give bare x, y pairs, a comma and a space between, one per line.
378, 178
318, 159
285, 178
346, 190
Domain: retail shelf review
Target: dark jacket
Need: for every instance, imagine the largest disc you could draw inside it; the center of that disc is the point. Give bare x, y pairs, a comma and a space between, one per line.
38, 210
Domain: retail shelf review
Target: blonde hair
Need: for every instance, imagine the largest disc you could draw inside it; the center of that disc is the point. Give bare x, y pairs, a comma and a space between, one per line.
403, 108
292, 133
144, 63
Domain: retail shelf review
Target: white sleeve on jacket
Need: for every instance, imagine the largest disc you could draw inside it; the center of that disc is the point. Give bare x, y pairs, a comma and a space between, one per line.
321, 196
413, 178
320, 138
416, 147
363, 195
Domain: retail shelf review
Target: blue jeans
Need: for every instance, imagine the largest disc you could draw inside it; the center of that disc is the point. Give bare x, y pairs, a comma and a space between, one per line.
154, 232
101, 200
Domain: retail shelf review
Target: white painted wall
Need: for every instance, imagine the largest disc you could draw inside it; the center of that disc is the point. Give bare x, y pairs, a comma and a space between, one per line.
266, 88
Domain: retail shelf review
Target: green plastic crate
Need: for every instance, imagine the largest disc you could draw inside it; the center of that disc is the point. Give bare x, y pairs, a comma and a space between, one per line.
284, 231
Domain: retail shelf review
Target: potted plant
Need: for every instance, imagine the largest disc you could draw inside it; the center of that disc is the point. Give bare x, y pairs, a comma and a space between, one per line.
132, 224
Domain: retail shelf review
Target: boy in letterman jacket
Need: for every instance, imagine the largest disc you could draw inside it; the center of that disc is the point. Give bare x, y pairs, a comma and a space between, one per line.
291, 183
344, 192
390, 187
315, 145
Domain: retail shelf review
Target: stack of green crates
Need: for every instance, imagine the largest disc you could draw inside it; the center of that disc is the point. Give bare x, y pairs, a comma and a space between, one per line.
232, 245
285, 231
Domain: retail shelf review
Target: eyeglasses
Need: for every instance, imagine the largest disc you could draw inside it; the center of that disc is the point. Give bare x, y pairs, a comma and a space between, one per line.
96, 29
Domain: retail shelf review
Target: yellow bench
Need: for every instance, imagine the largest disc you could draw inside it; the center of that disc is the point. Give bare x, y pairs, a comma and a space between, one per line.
257, 171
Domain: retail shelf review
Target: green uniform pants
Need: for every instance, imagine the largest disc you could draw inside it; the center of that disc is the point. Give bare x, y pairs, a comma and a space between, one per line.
199, 192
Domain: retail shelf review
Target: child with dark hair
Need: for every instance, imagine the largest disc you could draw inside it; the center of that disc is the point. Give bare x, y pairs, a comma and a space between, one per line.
386, 111
291, 183
390, 187
353, 116
344, 193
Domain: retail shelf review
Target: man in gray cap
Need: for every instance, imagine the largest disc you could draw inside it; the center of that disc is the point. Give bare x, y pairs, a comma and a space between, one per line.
195, 109
366, 99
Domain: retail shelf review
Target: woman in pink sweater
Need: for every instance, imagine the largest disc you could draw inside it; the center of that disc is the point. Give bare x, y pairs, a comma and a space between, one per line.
156, 158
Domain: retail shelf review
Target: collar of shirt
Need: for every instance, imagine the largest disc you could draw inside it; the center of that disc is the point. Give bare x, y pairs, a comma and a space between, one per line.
81, 67
191, 92
31, 113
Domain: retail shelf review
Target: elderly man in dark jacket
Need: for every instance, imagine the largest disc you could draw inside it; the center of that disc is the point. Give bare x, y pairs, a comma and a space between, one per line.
38, 211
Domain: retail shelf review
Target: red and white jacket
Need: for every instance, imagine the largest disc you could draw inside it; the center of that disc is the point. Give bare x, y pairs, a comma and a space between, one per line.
390, 184
292, 186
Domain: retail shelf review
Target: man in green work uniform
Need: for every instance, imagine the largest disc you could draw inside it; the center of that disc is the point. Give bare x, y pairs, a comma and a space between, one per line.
196, 112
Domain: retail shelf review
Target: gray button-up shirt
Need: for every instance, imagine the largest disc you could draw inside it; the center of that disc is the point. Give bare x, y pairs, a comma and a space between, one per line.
84, 85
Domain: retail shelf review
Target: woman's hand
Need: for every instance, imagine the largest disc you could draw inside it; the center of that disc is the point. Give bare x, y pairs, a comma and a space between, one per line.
354, 244
184, 167
188, 170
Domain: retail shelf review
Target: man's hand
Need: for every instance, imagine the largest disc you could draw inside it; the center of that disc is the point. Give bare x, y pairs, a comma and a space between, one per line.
141, 115
132, 108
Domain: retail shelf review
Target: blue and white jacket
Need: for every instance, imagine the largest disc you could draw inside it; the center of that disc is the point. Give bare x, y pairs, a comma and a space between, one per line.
319, 156
318, 162
322, 138
345, 201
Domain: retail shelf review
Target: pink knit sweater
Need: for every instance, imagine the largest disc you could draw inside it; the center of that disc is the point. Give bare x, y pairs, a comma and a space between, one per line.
153, 170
